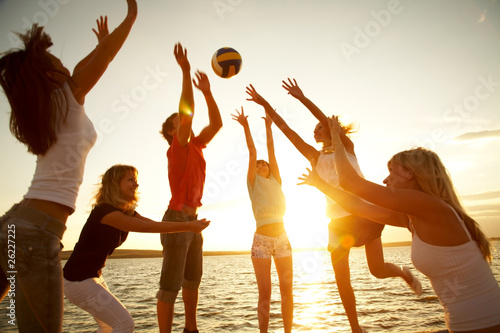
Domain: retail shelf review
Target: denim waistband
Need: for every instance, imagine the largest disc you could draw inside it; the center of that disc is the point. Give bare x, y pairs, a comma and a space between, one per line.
37, 218
179, 216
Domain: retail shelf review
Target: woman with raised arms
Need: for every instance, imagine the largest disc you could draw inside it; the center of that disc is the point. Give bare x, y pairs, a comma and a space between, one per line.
448, 245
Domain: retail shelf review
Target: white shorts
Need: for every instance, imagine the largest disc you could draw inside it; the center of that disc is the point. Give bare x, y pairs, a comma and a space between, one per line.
265, 247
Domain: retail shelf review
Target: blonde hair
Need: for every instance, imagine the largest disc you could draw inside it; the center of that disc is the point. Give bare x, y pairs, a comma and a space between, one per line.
434, 179
349, 128
109, 191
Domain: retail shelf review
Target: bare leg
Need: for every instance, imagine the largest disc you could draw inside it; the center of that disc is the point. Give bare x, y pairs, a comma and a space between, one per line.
262, 269
190, 298
381, 269
340, 263
165, 316
377, 265
284, 268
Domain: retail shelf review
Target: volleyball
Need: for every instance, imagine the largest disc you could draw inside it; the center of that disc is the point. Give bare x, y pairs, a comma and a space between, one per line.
226, 62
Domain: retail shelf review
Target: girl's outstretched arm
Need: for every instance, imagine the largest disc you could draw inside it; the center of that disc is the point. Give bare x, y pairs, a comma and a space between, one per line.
352, 203
87, 74
305, 149
410, 202
252, 152
139, 223
293, 89
273, 163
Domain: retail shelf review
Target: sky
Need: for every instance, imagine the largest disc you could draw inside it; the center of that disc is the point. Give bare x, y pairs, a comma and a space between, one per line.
407, 73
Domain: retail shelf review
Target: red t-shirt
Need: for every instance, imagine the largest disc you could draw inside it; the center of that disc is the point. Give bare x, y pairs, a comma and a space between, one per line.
186, 173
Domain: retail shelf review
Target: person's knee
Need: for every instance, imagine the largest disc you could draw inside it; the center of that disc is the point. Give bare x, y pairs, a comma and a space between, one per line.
167, 296
126, 325
286, 285
264, 303
342, 276
377, 272
264, 295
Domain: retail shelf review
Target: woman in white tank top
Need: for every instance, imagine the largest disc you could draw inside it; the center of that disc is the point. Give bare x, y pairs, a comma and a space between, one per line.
448, 245
49, 118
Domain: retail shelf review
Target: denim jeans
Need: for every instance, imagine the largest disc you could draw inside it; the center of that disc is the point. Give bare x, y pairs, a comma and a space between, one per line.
182, 259
93, 296
31, 267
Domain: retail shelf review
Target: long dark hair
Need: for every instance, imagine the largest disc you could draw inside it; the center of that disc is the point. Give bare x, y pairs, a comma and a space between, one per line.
27, 78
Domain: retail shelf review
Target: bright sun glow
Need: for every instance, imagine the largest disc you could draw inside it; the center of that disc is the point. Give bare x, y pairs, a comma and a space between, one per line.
305, 220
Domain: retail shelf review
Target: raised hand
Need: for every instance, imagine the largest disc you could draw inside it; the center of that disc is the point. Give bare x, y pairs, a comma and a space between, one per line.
292, 88
311, 178
102, 28
254, 96
198, 225
240, 117
181, 57
335, 128
203, 83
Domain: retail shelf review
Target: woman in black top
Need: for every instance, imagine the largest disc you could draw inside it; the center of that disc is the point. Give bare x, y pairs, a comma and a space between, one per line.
112, 217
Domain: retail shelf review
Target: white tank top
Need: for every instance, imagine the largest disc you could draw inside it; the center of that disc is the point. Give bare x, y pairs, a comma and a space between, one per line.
326, 170
59, 173
462, 280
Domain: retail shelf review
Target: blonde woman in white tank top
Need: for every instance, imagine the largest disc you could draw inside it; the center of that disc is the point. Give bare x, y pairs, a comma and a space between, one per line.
448, 245
361, 230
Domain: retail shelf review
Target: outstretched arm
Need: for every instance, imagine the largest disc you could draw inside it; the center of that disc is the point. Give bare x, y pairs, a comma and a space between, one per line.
101, 33
293, 89
214, 117
186, 103
305, 149
252, 152
407, 201
273, 163
92, 67
139, 223
352, 203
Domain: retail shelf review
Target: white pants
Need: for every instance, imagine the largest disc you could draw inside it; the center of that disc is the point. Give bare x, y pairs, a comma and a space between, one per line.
93, 296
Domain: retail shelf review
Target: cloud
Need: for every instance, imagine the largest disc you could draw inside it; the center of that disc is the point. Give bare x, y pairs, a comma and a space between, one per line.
478, 135
482, 196
481, 211
484, 209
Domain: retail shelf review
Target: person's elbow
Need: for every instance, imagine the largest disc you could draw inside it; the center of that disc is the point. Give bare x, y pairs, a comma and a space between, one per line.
217, 125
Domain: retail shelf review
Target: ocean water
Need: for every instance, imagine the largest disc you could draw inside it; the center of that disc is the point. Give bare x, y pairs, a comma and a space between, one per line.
228, 296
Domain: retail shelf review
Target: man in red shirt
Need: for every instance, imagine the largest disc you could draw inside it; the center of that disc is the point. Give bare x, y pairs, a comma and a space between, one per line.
183, 252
